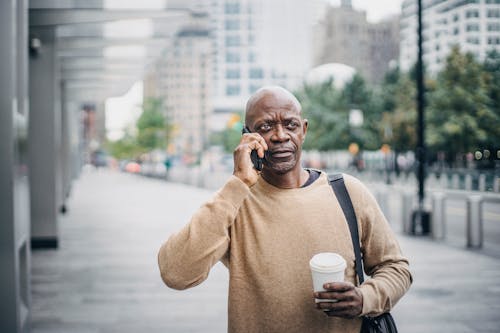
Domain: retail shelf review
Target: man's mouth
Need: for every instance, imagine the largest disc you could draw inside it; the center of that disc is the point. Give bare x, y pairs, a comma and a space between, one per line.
282, 153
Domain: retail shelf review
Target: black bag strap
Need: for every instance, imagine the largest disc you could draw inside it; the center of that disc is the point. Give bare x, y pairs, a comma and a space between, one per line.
338, 186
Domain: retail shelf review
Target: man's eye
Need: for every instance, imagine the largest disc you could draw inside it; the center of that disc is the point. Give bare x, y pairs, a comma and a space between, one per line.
292, 125
264, 127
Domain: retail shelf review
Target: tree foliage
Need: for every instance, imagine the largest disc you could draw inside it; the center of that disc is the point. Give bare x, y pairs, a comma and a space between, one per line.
461, 113
327, 110
398, 120
153, 132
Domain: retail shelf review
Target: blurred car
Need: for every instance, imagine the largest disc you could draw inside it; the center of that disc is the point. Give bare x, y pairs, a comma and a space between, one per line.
133, 167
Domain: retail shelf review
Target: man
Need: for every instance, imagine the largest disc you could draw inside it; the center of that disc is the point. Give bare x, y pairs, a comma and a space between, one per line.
265, 226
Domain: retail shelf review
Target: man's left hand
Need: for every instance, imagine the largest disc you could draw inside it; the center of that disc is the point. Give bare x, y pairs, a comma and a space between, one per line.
349, 300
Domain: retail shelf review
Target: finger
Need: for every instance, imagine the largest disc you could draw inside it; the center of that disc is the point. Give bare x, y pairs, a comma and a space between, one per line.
250, 137
333, 295
256, 145
262, 142
340, 309
338, 286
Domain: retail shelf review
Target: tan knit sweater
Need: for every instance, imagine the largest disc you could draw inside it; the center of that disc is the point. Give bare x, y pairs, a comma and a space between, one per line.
266, 237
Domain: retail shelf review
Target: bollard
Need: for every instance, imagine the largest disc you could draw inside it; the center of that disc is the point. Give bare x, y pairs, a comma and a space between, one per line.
482, 182
438, 227
496, 184
407, 207
443, 181
455, 181
474, 222
468, 182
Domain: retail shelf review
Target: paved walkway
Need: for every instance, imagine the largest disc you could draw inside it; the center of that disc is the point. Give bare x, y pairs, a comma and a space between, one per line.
104, 277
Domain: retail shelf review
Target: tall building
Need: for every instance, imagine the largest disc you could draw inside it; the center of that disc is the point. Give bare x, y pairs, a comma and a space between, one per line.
248, 44
345, 36
474, 25
182, 78
259, 42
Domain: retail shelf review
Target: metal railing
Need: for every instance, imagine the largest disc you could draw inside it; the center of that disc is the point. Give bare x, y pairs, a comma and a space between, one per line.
473, 204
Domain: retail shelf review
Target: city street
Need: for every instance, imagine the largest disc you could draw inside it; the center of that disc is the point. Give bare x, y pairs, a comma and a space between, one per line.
104, 276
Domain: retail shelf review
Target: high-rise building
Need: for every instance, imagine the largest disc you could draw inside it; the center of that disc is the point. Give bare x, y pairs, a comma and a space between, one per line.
259, 42
182, 78
474, 25
248, 44
345, 36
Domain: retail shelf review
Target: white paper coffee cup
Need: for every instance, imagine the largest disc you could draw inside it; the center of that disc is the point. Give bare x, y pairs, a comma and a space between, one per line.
326, 267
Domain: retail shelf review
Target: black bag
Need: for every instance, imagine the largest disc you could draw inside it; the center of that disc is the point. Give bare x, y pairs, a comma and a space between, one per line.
383, 323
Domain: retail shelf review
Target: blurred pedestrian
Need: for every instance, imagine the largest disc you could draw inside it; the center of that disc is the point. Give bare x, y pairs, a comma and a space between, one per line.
266, 225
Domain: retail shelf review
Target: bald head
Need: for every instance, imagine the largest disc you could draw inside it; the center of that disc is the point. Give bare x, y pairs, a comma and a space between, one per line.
271, 97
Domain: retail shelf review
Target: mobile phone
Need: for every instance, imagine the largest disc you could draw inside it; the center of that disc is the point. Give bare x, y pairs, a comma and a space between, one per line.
256, 160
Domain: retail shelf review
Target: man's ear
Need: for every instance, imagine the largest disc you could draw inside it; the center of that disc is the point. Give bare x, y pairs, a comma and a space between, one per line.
305, 123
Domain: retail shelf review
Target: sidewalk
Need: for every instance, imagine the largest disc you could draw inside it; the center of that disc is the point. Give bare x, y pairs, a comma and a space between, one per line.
104, 277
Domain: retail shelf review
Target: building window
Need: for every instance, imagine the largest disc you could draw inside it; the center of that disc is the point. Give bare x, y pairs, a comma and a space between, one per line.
232, 8
472, 13
455, 17
253, 88
232, 57
232, 40
493, 26
256, 73
232, 74
232, 24
494, 40
472, 27
473, 40
232, 90
252, 57
493, 13
456, 31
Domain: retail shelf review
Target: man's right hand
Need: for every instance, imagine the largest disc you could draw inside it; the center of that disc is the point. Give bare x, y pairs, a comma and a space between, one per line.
243, 166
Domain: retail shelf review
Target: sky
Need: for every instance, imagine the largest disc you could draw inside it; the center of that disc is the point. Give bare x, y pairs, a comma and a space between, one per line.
121, 111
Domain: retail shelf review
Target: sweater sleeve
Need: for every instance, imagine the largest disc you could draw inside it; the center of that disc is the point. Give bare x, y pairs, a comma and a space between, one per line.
382, 257
186, 258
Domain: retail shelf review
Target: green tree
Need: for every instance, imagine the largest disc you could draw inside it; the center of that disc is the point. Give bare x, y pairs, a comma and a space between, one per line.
398, 117
459, 115
124, 148
491, 67
328, 109
358, 95
325, 110
153, 130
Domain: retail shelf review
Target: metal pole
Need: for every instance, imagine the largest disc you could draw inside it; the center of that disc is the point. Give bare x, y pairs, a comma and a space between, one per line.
438, 215
420, 110
407, 207
420, 218
474, 222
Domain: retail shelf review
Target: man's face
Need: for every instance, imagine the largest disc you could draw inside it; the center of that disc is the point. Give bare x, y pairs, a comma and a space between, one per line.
278, 120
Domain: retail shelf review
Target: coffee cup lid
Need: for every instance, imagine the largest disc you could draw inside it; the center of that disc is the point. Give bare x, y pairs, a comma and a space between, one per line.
327, 262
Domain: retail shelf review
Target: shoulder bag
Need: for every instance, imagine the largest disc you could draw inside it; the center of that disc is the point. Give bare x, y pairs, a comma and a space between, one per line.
383, 323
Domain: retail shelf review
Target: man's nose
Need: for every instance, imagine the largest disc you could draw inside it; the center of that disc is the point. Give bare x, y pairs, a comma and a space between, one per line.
280, 134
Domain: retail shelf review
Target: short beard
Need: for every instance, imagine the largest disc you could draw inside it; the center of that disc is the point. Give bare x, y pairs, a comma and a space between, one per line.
281, 167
